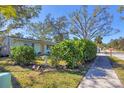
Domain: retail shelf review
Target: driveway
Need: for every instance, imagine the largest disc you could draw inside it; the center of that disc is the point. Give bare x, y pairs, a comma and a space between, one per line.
101, 75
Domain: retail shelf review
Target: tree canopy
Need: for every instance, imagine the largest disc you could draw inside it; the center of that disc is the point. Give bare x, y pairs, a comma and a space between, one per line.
82, 23
51, 28
121, 10
90, 25
8, 11
117, 44
59, 27
13, 17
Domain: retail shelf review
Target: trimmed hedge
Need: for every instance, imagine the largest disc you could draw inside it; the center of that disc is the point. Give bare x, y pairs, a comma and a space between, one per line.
23, 55
74, 52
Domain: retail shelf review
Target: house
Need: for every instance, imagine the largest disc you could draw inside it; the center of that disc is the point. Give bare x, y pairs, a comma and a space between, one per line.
40, 46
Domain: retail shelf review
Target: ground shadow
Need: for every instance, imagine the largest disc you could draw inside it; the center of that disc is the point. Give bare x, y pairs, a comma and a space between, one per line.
98, 69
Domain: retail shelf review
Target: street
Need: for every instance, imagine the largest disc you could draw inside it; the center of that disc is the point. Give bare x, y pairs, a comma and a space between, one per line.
120, 55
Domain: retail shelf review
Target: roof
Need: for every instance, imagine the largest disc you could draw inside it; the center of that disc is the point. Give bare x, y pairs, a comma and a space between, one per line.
28, 39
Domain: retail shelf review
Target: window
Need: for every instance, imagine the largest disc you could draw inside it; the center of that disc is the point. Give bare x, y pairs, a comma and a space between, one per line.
32, 45
47, 47
26, 44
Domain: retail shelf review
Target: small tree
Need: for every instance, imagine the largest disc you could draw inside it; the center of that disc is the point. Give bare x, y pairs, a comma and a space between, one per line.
99, 42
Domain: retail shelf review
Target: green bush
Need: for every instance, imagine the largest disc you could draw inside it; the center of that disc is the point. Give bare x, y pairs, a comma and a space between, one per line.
23, 55
74, 52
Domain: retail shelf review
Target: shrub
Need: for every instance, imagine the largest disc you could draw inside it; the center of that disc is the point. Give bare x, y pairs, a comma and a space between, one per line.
74, 52
23, 55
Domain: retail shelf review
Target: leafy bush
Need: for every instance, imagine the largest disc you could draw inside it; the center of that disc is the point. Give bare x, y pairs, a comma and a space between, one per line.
23, 55
74, 52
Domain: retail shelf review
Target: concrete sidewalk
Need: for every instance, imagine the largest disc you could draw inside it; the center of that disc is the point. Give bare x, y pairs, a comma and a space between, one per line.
101, 75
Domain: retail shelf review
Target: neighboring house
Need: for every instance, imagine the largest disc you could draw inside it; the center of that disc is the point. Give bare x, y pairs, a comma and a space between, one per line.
40, 46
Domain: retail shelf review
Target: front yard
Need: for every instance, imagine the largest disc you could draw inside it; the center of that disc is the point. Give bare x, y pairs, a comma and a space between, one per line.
118, 66
25, 77
64, 67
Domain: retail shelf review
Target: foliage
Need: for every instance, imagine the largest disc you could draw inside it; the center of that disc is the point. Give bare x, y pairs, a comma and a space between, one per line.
74, 52
117, 44
90, 25
8, 11
59, 27
23, 14
23, 55
121, 10
98, 40
99, 43
40, 30
50, 29
17, 35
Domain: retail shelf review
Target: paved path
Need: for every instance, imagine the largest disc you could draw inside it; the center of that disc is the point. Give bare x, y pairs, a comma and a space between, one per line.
101, 75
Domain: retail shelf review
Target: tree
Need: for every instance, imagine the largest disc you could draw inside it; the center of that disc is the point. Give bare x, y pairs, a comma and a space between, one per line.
116, 44
99, 43
98, 40
121, 43
24, 14
18, 35
8, 11
41, 30
113, 43
50, 29
120, 10
59, 28
85, 24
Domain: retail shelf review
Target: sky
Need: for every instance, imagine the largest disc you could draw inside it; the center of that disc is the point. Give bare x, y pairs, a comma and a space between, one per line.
60, 10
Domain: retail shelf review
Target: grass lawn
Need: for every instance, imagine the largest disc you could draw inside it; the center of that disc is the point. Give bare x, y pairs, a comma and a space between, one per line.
118, 66
24, 77
40, 60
